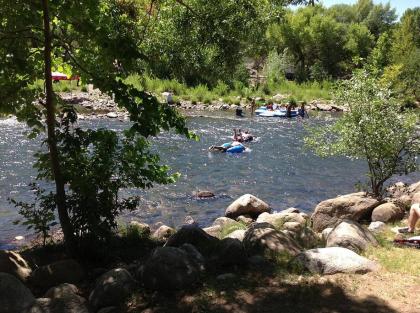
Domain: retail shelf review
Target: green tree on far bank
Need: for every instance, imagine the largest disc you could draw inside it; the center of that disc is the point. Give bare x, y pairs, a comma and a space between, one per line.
374, 129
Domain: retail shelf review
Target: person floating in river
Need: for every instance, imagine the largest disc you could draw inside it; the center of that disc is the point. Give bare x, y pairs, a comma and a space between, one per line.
239, 112
302, 111
290, 107
253, 107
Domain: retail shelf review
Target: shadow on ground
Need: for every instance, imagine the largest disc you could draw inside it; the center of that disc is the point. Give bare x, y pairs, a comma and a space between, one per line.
264, 294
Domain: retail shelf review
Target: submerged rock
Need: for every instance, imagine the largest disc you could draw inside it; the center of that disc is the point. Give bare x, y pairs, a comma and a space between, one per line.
332, 260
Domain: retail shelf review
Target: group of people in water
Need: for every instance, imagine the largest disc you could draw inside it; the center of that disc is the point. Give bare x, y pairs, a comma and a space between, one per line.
239, 136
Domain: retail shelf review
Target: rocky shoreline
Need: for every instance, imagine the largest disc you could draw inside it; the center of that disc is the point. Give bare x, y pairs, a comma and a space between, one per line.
97, 105
248, 236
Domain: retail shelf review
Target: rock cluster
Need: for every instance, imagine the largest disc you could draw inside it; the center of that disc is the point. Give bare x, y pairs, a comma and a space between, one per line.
249, 235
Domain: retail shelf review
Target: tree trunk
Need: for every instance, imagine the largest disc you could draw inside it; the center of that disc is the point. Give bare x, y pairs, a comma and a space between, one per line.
52, 142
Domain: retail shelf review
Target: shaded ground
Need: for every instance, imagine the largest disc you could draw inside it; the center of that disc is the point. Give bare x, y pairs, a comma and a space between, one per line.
381, 292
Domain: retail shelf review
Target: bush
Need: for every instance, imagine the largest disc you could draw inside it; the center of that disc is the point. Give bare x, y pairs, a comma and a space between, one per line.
374, 129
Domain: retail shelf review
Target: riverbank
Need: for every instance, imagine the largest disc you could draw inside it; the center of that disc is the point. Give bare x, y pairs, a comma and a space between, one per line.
250, 260
95, 104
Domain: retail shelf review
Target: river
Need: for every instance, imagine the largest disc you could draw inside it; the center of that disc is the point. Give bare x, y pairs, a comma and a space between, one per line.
277, 169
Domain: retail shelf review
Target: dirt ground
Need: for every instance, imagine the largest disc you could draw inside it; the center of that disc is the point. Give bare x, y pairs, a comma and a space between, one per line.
380, 292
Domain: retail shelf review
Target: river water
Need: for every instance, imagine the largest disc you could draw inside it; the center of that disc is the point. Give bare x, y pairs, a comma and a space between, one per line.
277, 169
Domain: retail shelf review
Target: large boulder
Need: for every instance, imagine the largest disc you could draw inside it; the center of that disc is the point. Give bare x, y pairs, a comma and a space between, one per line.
213, 230
353, 206
377, 227
387, 212
415, 198
169, 269
61, 291
306, 237
64, 271
237, 234
230, 252
70, 303
332, 260
351, 235
195, 236
247, 205
12, 263
262, 238
142, 228
280, 219
112, 288
163, 233
14, 296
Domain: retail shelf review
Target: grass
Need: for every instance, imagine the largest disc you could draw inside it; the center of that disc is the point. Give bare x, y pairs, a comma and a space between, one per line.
229, 228
232, 95
394, 259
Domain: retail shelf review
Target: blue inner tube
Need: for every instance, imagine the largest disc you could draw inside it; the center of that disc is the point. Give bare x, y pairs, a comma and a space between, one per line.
236, 149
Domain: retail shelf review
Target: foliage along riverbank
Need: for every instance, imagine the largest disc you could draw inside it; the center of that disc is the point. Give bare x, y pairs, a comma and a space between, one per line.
236, 265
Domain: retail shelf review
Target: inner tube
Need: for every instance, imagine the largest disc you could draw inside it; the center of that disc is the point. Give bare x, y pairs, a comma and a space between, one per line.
236, 149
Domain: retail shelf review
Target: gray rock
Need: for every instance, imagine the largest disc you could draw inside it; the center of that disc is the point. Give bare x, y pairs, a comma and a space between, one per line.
247, 205
237, 234
65, 271
387, 212
61, 291
224, 221
230, 252
112, 115
377, 227
213, 230
194, 255
262, 238
205, 194
290, 210
326, 232
112, 288
306, 238
226, 276
351, 235
280, 219
12, 263
110, 309
14, 296
143, 228
353, 206
71, 303
194, 235
163, 233
332, 260
415, 198
169, 269
245, 219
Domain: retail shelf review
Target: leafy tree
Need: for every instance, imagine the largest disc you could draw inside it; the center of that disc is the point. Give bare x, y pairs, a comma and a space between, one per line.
100, 40
380, 19
374, 129
206, 40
